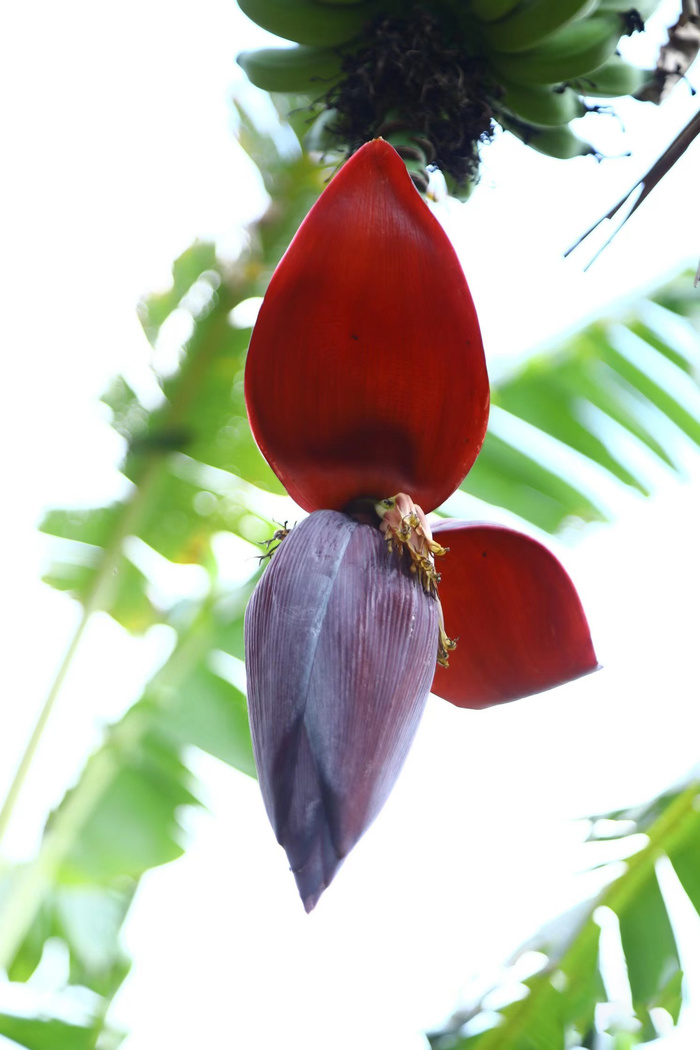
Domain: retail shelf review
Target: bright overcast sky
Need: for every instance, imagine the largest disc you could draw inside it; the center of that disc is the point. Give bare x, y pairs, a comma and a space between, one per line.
119, 152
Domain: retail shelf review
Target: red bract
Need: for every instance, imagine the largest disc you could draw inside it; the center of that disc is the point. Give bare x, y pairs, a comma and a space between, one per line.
519, 622
366, 382
366, 373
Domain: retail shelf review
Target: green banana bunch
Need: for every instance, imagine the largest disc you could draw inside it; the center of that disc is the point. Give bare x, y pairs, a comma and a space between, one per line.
460, 191
530, 62
541, 104
298, 70
614, 78
571, 52
560, 143
308, 21
533, 21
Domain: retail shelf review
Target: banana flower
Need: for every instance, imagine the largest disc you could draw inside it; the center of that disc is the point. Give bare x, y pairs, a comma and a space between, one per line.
367, 393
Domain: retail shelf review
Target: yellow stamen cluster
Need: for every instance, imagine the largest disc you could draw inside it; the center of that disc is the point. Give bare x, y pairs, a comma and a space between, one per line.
405, 528
446, 645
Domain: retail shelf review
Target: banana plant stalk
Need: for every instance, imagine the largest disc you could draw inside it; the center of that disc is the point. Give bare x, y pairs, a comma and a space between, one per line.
367, 392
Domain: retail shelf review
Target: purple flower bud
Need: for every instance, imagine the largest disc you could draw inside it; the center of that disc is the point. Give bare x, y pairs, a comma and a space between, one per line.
341, 642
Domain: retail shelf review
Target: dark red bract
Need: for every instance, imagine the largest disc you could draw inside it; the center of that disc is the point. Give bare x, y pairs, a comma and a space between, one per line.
520, 625
366, 373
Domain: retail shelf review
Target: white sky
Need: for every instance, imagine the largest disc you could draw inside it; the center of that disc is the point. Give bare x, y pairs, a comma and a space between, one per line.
118, 153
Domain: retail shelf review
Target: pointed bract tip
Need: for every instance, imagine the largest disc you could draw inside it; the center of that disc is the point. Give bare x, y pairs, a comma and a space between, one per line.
314, 878
310, 902
377, 148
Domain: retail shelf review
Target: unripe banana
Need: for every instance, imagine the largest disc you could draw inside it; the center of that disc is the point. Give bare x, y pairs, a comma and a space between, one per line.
461, 191
491, 10
570, 52
295, 70
541, 104
644, 8
306, 21
532, 21
320, 138
614, 78
554, 142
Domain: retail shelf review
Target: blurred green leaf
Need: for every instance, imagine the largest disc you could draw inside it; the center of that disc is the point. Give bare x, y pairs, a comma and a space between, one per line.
648, 942
292, 178
212, 714
670, 998
548, 1033
133, 826
616, 399
44, 1033
654, 393
581, 977
26, 960
508, 477
585, 393
92, 527
543, 397
564, 994
685, 858
89, 920
123, 593
209, 403
230, 618
199, 258
656, 342
129, 417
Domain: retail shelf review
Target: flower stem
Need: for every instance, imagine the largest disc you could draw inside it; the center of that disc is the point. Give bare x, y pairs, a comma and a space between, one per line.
30, 883
33, 743
103, 582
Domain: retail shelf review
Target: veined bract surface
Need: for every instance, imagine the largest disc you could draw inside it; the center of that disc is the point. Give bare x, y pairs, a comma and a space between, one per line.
341, 642
366, 374
519, 621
